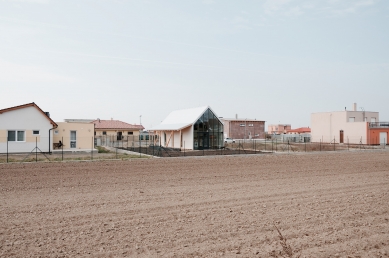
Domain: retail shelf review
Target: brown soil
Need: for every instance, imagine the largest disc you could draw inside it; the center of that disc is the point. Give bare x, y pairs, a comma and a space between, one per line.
325, 204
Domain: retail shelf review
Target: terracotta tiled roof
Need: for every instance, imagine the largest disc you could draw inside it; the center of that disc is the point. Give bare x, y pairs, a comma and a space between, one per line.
32, 104
115, 124
300, 130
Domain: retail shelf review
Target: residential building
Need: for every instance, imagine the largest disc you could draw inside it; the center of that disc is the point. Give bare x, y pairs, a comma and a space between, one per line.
278, 128
301, 130
75, 134
116, 128
358, 127
195, 128
26, 128
243, 128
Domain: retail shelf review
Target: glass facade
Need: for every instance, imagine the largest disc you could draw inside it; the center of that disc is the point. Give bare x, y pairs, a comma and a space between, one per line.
207, 132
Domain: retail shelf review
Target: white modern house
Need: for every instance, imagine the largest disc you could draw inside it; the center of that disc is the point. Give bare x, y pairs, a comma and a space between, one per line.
25, 127
194, 129
348, 126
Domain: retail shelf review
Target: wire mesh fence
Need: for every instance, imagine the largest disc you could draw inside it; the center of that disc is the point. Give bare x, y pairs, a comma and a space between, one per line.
36, 149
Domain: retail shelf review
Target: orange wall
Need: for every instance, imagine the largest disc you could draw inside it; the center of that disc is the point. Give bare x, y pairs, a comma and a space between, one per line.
373, 135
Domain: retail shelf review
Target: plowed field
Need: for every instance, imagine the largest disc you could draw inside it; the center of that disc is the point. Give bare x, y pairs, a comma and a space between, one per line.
325, 205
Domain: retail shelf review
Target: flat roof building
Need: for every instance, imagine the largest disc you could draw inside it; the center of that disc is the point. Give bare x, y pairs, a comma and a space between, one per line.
243, 128
349, 126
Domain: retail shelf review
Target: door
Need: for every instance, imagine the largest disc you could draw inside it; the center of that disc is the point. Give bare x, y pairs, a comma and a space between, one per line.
206, 140
200, 139
119, 136
203, 140
341, 136
383, 138
73, 139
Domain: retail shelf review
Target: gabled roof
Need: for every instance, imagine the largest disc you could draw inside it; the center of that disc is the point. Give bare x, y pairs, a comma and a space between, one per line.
29, 105
180, 119
115, 124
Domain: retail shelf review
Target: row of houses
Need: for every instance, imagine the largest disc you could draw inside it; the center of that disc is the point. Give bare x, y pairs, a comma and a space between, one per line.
200, 128
25, 127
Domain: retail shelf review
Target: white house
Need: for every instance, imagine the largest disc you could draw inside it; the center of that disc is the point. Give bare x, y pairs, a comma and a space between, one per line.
348, 126
25, 127
195, 129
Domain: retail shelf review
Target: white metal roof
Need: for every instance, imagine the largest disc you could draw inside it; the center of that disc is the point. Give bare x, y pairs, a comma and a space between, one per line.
180, 119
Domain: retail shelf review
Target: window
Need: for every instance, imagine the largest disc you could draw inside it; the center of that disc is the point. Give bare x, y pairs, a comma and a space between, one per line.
56, 132
130, 133
251, 124
104, 133
16, 136
242, 125
35, 132
351, 119
373, 119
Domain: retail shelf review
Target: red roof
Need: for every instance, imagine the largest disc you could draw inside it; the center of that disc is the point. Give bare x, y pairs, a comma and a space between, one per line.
115, 124
300, 130
32, 104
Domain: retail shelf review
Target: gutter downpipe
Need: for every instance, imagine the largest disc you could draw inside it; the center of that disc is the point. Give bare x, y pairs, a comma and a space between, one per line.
49, 138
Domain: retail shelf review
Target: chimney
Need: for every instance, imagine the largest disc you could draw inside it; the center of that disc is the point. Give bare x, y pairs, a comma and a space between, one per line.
355, 107
236, 116
47, 114
111, 118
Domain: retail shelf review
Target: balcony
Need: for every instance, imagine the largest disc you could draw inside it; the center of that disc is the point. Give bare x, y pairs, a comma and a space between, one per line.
379, 125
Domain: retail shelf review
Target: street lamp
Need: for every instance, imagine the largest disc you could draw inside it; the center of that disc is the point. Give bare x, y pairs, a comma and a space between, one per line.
140, 119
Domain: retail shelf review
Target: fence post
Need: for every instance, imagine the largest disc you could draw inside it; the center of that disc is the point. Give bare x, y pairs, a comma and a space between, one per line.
320, 144
276, 145
62, 149
265, 142
116, 152
36, 149
184, 148
272, 145
348, 144
92, 150
334, 143
305, 143
288, 146
140, 146
7, 149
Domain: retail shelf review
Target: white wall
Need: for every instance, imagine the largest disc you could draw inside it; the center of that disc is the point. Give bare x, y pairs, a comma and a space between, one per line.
26, 119
326, 126
187, 137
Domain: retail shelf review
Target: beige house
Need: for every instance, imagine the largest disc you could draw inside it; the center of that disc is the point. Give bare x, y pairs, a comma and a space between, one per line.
74, 135
115, 128
278, 128
343, 126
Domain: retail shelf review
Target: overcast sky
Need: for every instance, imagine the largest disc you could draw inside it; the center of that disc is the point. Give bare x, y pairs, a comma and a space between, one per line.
275, 60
